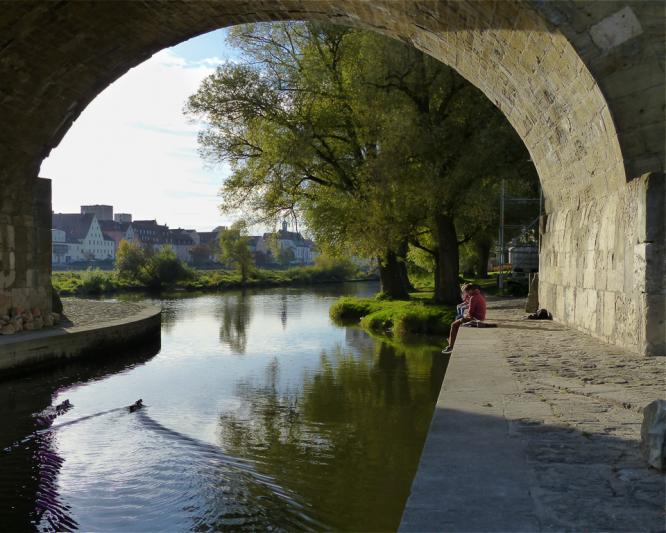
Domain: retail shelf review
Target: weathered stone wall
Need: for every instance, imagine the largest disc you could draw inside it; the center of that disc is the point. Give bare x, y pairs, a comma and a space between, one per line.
602, 266
582, 82
25, 246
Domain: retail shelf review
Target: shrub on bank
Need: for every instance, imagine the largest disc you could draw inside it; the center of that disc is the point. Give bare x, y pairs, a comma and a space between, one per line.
401, 318
163, 270
350, 310
94, 281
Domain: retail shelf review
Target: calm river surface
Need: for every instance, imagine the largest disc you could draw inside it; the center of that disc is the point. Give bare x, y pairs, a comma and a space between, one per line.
260, 415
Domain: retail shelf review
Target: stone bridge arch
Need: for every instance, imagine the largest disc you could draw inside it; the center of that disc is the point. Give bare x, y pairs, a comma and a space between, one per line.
581, 82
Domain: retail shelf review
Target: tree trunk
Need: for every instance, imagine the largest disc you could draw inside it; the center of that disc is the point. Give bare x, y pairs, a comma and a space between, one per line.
391, 277
401, 254
483, 254
438, 277
447, 289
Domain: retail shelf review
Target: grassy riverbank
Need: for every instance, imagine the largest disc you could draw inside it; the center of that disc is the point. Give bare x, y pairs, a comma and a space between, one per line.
95, 282
418, 316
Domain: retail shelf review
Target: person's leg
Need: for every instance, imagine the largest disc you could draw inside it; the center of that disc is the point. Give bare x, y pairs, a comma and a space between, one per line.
455, 326
453, 333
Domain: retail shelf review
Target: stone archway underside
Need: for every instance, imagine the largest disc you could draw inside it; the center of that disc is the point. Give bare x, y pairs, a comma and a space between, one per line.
582, 83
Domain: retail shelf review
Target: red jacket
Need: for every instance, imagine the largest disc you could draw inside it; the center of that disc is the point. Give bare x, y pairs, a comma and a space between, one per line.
477, 306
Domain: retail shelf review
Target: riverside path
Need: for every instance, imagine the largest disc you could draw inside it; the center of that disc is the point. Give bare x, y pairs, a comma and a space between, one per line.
537, 428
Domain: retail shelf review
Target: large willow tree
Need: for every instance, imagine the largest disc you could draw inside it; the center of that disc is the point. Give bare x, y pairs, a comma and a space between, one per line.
375, 144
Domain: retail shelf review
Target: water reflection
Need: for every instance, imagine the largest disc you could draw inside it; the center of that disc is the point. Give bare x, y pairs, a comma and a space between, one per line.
350, 439
235, 313
28, 485
260, 414
283, 311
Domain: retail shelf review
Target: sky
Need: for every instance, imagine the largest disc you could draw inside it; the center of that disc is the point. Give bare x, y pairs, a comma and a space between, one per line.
133, 148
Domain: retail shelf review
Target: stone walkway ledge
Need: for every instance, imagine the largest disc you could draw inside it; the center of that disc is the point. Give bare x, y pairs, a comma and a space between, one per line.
90, 328
537, 428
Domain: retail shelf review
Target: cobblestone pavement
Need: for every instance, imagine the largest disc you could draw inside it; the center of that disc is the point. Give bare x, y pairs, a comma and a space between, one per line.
81, 312
579, 409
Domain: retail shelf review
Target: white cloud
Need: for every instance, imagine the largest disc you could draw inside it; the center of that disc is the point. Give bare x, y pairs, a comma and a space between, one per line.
213, 61
133, 148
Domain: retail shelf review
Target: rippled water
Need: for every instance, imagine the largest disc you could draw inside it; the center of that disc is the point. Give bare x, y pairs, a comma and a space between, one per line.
260, 415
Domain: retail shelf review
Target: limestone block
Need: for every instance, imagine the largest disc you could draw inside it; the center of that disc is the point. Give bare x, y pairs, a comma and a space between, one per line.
627, 320
608, 325
590, 319
654, 311
600, 271
569, 304
616, 29
614, 279
653, 434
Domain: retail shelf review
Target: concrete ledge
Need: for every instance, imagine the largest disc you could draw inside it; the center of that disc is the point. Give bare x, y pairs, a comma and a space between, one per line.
473, 476
41, 348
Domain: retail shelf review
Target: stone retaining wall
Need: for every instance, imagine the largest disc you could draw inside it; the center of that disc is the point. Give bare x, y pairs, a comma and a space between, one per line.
47, 347
602, 266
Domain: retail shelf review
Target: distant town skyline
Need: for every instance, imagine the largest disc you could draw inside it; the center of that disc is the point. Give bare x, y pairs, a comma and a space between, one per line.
134, 149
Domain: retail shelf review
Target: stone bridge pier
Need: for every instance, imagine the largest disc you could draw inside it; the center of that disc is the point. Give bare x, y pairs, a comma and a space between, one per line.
582, 82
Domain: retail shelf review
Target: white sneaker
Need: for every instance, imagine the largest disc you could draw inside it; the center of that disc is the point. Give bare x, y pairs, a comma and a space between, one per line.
447, 350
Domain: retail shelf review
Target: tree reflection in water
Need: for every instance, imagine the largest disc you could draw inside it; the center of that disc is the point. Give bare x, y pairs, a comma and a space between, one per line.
349, 441
235, 313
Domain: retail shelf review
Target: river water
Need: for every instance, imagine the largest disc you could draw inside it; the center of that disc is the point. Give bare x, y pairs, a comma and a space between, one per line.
260, 414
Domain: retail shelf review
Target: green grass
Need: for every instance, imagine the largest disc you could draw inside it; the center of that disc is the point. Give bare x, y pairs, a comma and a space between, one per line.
92, 282
418, 316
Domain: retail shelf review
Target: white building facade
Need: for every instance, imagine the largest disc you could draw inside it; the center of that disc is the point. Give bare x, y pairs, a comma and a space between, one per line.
79, 238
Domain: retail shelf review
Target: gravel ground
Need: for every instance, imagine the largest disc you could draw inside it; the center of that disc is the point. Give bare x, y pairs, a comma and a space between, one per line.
81, 312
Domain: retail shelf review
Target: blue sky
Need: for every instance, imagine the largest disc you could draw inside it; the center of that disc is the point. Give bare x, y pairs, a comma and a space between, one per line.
133, 148
205, 46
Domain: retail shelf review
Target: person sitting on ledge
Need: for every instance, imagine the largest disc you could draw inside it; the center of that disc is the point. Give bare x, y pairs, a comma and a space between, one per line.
462, 307
475, 311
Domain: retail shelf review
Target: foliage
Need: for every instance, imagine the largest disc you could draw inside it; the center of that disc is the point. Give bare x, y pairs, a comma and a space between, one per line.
200, 254
94, 281
335, 266
136, 268
163, 268
371, 141
234, 248
130, 259
469, 259
286, 256
398, 317
329, 271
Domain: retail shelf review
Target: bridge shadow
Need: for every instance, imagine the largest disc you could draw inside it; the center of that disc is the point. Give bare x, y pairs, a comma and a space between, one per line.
486, 473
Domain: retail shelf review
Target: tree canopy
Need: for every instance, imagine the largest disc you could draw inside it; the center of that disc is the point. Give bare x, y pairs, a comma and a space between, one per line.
374, 144
234, 248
